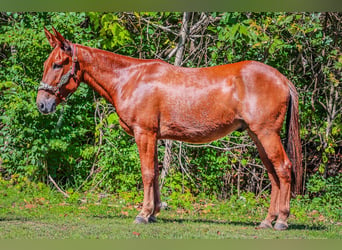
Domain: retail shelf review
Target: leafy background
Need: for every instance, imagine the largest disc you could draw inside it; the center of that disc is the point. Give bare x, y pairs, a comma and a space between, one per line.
82, 148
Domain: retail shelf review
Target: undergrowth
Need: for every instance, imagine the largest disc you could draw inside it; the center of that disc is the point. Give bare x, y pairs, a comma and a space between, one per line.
25, 198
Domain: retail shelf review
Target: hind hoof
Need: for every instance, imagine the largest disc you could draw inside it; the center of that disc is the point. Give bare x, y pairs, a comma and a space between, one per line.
281, 226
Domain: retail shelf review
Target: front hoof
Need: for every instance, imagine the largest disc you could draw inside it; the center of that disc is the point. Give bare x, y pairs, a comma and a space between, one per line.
265, 225
140, 220
281, 226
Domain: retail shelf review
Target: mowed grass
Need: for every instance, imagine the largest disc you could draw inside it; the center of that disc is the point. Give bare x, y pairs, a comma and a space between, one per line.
66, 224
26, 215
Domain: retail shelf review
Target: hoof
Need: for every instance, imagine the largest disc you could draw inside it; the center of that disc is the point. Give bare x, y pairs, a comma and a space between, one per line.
152, 219
140, 220
281, 226
265, 225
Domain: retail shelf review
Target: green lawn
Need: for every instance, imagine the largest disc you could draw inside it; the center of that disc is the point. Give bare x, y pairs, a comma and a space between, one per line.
37, 212
64, 224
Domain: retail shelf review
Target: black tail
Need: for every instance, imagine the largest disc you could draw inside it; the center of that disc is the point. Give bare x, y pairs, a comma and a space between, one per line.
293, 142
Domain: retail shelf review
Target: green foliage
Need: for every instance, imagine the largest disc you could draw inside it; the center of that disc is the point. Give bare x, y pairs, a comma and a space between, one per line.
111, 30
69, 144
20, 191
326, 191
118, 159
323, 199
31, 210
31, 144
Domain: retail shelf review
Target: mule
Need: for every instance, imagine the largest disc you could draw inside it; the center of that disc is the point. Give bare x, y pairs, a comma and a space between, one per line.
156, 100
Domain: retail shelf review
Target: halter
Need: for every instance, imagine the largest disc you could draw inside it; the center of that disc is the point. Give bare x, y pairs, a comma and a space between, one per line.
64, 79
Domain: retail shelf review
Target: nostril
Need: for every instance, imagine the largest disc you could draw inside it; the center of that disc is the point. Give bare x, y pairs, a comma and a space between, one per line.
53, 107
41, 106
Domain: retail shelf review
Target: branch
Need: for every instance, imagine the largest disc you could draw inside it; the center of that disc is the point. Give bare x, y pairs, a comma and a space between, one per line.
181, 164
167, 29
202, 20
58, 188
178, 61
183, 34
215, 147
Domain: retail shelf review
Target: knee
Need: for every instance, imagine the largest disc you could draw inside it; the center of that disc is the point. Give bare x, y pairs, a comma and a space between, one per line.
284, 172
148, 176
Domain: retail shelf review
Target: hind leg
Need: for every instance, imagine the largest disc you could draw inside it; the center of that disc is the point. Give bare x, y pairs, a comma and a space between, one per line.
278, 166
273, 210
157, 201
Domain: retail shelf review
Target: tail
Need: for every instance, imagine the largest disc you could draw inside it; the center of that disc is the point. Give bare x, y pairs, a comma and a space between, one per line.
293, 143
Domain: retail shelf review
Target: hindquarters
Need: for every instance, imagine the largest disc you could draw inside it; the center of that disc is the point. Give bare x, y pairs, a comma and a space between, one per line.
269, 96
266, 97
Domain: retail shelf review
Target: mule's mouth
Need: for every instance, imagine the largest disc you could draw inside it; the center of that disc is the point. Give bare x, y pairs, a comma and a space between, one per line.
46, 107
46, 102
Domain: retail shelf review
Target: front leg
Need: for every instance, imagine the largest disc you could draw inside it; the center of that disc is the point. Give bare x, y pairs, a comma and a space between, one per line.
147, 146
157, 201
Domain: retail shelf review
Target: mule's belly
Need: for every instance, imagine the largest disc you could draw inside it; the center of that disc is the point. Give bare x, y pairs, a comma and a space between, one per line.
202, 132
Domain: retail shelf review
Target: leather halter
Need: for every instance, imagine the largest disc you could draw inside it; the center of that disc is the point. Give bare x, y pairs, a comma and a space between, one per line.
64, 79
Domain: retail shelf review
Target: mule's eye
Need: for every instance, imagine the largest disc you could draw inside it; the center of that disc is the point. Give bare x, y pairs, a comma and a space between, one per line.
56, 66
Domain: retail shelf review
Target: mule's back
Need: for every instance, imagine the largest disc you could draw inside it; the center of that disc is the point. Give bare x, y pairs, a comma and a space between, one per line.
203, 104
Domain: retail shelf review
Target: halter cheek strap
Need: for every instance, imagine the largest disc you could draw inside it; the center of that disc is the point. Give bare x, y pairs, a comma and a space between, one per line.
64, 79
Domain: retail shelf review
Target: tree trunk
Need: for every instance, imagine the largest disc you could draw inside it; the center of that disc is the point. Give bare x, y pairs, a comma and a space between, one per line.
178, 62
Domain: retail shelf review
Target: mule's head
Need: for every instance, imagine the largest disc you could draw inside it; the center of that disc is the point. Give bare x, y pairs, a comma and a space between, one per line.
60, 78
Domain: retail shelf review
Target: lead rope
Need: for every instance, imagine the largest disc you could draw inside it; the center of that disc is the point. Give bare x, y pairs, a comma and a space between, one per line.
60, 118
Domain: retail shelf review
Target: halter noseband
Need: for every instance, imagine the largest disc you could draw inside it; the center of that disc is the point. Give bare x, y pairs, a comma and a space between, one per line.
64, 79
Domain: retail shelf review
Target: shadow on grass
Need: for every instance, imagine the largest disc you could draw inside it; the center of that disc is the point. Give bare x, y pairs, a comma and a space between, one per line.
217, 222
207, 221
243, 223
308, 227
14, 218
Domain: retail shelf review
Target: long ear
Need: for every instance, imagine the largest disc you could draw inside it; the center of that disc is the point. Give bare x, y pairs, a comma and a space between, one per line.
52, 39
62, 42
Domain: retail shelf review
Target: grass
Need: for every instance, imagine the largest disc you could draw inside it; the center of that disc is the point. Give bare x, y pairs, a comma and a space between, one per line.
35, 212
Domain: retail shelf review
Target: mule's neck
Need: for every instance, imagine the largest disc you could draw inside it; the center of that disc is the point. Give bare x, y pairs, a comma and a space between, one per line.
106, 72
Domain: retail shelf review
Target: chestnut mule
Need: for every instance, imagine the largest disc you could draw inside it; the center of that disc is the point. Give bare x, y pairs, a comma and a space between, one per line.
155, 100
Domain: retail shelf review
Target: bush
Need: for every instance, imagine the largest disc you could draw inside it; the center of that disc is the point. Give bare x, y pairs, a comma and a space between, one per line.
71, 144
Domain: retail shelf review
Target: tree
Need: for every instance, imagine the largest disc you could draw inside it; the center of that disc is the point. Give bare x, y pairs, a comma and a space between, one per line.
305, 47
